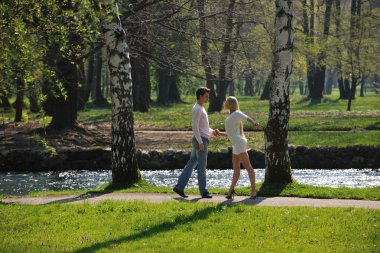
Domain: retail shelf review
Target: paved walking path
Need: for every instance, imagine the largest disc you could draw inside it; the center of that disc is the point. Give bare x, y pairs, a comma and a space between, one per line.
162, 197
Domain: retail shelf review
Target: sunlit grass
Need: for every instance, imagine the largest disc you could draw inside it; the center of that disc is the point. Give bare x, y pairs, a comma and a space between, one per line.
330, 114
325, 124
186, 227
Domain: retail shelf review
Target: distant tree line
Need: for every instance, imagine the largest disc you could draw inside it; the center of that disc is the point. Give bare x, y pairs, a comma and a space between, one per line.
53, 52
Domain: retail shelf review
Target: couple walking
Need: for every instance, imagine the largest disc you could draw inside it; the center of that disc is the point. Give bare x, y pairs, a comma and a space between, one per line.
202, 132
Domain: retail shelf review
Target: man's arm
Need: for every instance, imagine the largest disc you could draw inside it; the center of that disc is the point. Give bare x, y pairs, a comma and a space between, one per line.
196, 117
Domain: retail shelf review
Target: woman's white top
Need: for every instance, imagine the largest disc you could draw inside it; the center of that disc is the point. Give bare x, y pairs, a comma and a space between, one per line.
200, 125
232, 125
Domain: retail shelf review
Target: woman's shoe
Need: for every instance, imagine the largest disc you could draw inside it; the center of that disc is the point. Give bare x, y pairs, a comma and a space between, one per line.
253, 194
231, 194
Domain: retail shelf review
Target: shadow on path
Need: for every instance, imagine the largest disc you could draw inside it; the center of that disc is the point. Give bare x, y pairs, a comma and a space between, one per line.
84, 196
228, 202
160, 228
247, 201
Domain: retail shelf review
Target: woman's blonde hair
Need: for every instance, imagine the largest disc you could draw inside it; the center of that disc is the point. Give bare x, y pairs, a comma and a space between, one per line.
233, 103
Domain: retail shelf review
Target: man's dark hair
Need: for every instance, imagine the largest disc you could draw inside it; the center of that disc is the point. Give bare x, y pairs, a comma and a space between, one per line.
201, 91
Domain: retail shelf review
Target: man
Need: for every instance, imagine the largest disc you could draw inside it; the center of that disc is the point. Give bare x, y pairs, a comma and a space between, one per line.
198, 157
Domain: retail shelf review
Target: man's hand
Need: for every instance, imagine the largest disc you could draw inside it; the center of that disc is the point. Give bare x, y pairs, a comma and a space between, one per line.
201, 147
216, 132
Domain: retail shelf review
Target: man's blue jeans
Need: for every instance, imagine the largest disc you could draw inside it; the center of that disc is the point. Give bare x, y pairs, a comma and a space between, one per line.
197, 159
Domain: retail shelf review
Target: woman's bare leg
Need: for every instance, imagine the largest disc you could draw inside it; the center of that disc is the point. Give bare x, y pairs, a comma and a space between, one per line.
244, 159
236, 168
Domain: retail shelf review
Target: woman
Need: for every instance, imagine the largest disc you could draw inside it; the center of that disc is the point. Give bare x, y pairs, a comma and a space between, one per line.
235, 133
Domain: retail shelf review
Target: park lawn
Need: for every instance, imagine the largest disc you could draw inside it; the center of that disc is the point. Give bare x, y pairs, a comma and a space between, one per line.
186, 227
331, 114
310, 139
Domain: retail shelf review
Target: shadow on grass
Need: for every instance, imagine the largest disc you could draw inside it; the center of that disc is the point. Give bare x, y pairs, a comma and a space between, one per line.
271, 190
109, 188
160, 228
374, 126
98, 119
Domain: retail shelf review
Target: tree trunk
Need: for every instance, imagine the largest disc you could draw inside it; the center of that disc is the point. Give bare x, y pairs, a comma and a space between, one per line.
19, 103
257, 87
65, 113
35, 105
222, 83
265, 94
354, 50
107, 94
140, 47
277, 160
301, 87
82, 89
362, 83
352, 92
248, 88
167, 86
320, 70
5, 102
99, 98
84, 92
61, 101
232, 59
163, 86
174, 95
346, 85
339, 68
330, 75
125, 169
204, 51
231, 88
141, 84
308, 29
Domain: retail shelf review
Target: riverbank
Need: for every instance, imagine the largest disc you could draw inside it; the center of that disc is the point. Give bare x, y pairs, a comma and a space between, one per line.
30, 147
99, 158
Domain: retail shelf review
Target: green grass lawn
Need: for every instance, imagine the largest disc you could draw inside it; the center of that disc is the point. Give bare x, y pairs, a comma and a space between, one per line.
331, 114
186, 227
325, 124
309, 139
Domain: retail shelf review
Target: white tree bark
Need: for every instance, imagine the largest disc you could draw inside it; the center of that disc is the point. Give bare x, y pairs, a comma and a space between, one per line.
123, 148
277, 161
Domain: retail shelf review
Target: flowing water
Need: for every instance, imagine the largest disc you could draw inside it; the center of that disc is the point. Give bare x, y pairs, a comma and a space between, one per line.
18, 183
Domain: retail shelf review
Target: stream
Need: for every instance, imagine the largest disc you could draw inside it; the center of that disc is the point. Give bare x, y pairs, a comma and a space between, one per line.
20, 183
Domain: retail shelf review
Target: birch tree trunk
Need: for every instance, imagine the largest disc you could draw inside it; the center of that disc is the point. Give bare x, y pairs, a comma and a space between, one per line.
277, 161
125, 170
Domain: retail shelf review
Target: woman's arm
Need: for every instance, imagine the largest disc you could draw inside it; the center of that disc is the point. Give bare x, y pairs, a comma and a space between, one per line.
222, 134
218, 133
252, 121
